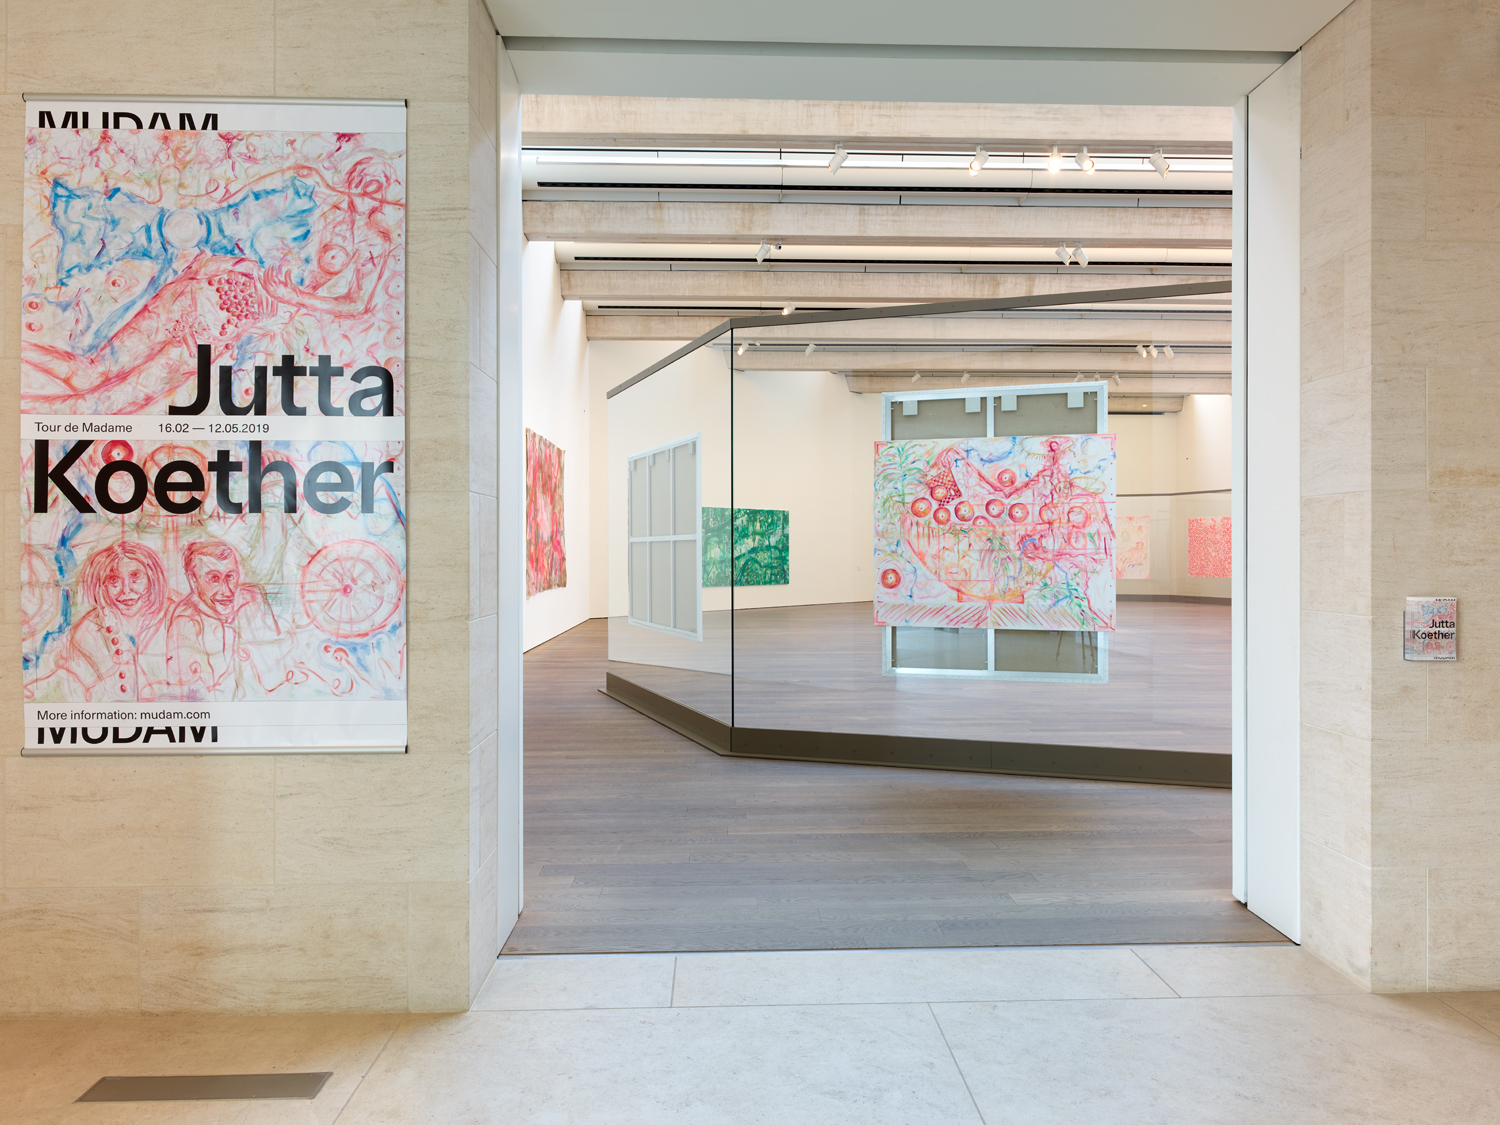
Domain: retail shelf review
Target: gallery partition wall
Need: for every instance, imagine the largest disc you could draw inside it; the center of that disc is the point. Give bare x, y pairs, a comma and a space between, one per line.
1026, 579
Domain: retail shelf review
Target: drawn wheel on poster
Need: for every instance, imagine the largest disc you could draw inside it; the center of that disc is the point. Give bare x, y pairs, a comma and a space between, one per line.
352, 588
40, 596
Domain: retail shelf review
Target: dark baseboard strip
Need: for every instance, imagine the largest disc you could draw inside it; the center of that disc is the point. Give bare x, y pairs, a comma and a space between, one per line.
703, 729
1189, 599
1092, 763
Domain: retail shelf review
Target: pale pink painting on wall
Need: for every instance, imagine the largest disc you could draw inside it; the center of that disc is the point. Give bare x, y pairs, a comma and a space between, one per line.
1133, 547
546, 552
1210, 544
1005, 533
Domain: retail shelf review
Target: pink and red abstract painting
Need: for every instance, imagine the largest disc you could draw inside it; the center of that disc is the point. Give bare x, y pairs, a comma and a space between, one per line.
1001, 533
546, 552
1134, 548
1210, 547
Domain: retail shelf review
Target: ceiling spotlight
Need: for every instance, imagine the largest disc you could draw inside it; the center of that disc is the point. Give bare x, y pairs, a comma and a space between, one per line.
980, 159
1159, 162
915, 375
765, 249
1151, 350
1116, 378
1079, 256
1064, 255
1166, 350
789, 310
741, 349
1054, 161
1084, 161
811, 347
1140, 350
839, 156
965, 379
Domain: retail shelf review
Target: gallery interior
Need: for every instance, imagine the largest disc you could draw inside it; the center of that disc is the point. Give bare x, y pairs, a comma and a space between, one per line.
927, 583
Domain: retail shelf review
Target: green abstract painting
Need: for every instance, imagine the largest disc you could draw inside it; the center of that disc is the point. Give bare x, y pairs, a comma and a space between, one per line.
762, 555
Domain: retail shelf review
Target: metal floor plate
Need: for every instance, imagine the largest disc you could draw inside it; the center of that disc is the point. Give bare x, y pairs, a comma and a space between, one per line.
206, 1087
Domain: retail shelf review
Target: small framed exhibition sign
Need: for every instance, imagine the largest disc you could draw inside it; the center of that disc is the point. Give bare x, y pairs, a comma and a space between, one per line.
213, 513
1431, 631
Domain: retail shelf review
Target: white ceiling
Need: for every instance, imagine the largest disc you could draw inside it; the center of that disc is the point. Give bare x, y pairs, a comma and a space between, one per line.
1201, 25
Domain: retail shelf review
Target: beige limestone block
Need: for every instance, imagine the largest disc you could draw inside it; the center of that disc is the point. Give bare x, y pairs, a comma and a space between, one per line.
1336, 793
1463, 698
153, 47
484, 196
484, 802
484, 679
437, 556
1398, 929
483, 426
1336, 434
1434, 803
484, 557
1441, 543
117, 822
1464, 924
1336, 910
484, 927
1335, 199
437, 299
69, 952
1434, 304
437, 448
390, 818
484, 44
1336, 688
437, 161
325, 948
1398, 429
1358, 308
12, 130
1400, 186
1336, 554
438, 947
1434, 58
437, 704
1335, 78
484, 311
1463, 404
404, 50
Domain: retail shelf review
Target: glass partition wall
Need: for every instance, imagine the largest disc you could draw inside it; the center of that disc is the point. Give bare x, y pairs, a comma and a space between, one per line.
986, 572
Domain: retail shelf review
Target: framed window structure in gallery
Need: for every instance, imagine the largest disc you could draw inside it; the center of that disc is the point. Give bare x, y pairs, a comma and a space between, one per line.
665, 522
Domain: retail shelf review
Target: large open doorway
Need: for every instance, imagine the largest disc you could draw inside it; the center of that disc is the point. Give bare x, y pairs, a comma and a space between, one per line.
752, 454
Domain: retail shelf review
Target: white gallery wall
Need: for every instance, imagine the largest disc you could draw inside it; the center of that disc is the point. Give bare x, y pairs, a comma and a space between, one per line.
555, 404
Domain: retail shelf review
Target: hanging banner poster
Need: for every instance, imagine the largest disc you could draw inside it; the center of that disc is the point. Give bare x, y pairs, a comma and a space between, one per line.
213, 516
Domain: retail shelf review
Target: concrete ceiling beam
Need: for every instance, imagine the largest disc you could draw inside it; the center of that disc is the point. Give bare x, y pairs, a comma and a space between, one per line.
836, 287
1069, 362
939, 331
874, 224
645, 122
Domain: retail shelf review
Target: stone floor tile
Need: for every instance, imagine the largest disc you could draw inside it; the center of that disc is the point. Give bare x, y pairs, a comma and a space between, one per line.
850, 1065
555, 982
880, 976
1245, 970
1315, 1060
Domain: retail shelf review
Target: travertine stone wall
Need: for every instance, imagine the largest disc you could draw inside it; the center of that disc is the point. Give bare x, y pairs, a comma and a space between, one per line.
1401, 492
300, 883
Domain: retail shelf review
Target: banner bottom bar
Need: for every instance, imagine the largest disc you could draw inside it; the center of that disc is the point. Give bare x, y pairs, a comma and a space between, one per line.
198, 751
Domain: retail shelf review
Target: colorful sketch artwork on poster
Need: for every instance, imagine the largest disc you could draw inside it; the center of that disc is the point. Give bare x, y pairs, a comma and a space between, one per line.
762, 547
546, 552
1006, 533
1133, 547
1210, 547
203, 308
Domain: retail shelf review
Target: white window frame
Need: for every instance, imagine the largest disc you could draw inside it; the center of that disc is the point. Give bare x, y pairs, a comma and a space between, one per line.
696, 537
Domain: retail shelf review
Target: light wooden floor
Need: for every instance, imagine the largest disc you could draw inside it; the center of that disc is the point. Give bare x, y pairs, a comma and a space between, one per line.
638, 839
817, 667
